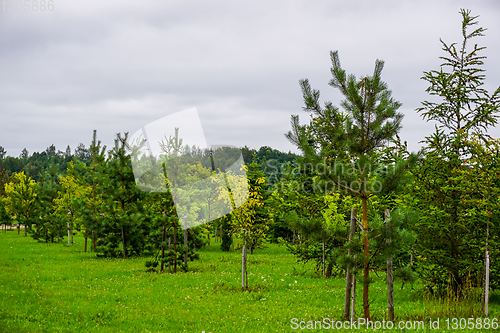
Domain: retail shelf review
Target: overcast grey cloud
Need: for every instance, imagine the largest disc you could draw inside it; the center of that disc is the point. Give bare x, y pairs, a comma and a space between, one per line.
115, 66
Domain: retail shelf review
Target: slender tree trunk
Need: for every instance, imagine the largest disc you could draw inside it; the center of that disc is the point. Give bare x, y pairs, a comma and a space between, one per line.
353, 297
390, 277
124, 243
487, 284
366, 265
169, 256
175, 247
162, 249
323, 258
85, 244
348, 291
456, 281
68, 232
215, 234
348, 282
185, 242
411, 256
487, 270
243, 266
246, 269
93, 188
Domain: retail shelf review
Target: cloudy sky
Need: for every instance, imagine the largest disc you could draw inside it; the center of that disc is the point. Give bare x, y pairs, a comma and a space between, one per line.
116, 66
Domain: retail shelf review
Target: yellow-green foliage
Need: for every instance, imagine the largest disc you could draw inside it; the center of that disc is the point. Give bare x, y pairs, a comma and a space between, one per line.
337, 209
73, 189
246, 216
20, 195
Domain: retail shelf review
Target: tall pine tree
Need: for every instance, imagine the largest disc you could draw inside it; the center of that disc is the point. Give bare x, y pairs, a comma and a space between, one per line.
345, 144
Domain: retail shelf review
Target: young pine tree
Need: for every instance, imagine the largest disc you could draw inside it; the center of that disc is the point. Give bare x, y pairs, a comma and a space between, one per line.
346, 143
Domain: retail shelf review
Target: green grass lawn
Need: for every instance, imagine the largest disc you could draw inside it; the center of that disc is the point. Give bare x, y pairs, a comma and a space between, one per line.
56, 288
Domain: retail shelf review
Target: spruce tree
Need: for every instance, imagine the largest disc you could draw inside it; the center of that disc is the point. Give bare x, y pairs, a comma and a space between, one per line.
123, 212
227, 239
94, 175
447, 237
50, 225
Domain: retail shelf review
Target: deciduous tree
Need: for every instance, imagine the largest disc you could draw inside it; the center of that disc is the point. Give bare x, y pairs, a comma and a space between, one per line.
20, 200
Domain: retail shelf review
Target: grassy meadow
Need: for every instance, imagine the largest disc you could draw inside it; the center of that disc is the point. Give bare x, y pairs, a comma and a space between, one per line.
56, 288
